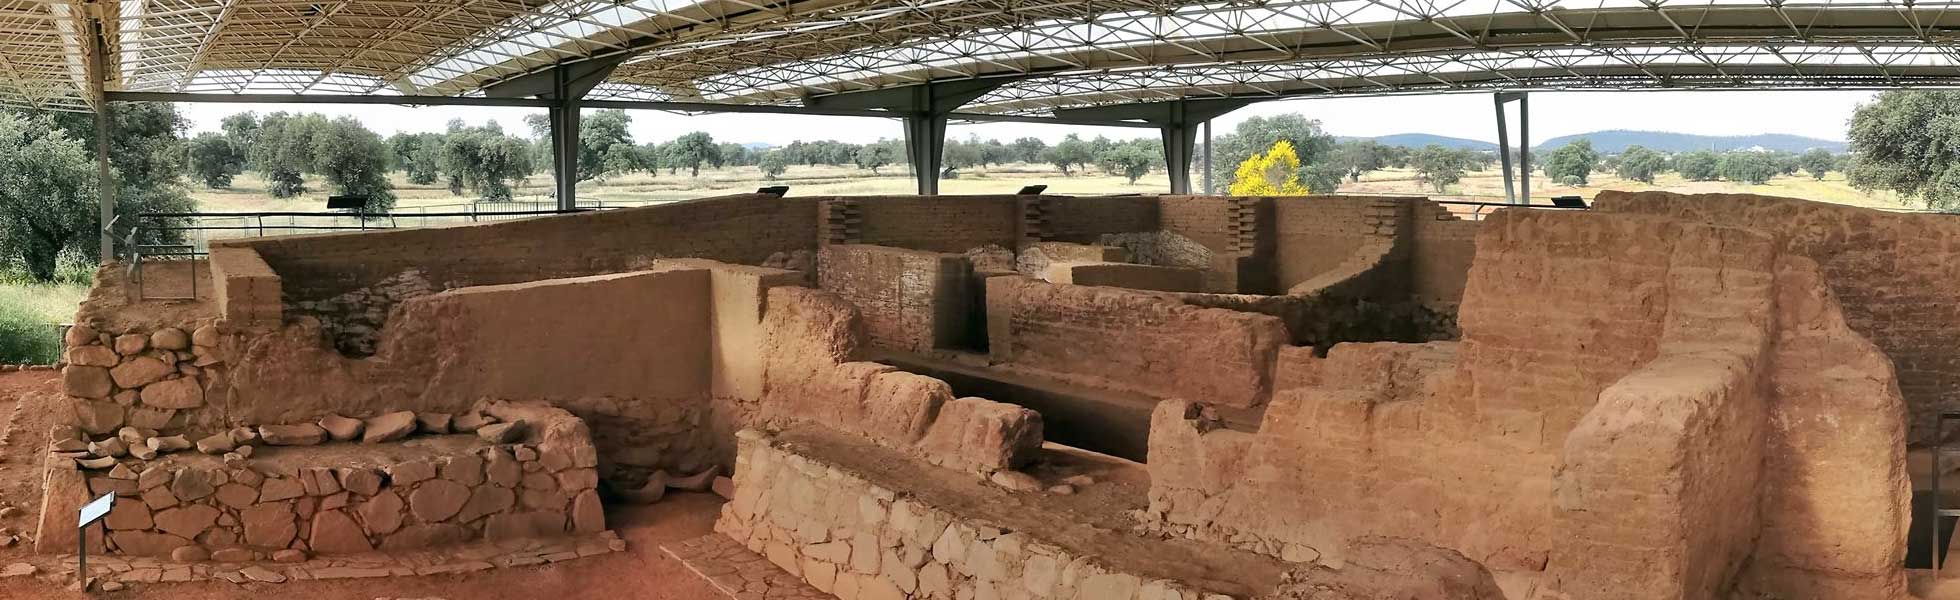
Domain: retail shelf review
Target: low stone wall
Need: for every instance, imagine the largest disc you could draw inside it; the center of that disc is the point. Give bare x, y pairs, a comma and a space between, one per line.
340, 497
852, 538
1134, 341
910, 300
168, 379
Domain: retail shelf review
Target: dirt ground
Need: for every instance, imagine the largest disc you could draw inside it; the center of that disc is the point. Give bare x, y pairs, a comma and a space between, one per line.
642, 572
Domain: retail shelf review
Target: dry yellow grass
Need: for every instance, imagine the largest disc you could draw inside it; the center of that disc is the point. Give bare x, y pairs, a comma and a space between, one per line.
248, 194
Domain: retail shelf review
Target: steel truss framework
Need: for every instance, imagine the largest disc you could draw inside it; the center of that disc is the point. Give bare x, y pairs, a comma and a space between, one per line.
1056, 54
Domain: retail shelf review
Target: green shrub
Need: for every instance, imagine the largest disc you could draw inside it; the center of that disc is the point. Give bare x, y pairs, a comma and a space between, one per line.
26, 336
31, 313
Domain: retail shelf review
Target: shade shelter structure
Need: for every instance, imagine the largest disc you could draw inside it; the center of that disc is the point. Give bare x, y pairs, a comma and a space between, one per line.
1168, 65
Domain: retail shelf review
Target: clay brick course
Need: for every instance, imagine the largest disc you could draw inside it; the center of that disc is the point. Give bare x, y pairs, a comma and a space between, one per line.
1614, 400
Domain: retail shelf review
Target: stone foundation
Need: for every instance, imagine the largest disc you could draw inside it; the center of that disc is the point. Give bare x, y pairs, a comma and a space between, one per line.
853, 538
340, 497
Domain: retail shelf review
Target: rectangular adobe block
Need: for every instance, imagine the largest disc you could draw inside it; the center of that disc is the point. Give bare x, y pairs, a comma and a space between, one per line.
246, 288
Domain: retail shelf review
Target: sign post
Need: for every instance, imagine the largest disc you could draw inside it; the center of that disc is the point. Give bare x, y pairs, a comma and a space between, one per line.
91, 512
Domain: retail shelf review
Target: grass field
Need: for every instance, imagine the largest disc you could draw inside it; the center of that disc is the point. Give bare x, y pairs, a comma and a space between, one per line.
247, 193
29, 316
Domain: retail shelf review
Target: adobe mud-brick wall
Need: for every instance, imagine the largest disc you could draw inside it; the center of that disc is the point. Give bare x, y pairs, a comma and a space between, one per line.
245, 287
1085, 219
937, 223
743, 229
1126, 275
1578, 328
1217, 224
638, 370
1132, 341
813, 378
1444, 245
1316, 235
911, 300
1897, 276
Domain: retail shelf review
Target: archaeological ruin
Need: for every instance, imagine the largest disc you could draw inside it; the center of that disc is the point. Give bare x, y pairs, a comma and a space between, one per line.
1046, 397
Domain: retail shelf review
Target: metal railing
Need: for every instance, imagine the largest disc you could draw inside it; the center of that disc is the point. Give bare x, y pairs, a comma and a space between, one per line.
195, 230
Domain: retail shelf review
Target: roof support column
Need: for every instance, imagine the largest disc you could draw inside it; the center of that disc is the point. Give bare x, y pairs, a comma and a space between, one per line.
564, 119
1177, 123
564, 84
1514, 193
1208, 187
105, 179
925, 147
923, 109
1180, 140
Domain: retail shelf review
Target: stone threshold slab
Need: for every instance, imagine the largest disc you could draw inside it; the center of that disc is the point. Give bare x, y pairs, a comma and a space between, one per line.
464, 558
739, 573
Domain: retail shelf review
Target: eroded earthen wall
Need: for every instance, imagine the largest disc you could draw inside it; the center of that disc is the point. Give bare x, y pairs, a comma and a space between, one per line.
936, 223
1133, 341
1085, 219
1897, 276
1613, 400
744, 229
910, 300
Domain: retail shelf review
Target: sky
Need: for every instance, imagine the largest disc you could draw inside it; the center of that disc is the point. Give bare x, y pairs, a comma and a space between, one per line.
1818, 114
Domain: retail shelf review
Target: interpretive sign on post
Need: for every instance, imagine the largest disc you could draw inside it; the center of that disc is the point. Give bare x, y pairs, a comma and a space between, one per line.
91, 512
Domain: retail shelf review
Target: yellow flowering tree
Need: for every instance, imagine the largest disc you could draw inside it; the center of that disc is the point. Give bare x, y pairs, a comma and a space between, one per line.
1275, 173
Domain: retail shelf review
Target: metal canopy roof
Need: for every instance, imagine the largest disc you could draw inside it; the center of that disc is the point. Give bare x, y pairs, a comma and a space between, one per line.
1057, 53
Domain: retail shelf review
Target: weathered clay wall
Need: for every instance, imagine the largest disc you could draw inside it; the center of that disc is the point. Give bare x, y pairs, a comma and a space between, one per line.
1616, 400
1137, 341
937, 223
643, 371
247, 291
1126, 275
1316, 235
1217, 224
1897, 276
743, 229
910, 300
1443, 246
342, 498
813, 376
1085, 219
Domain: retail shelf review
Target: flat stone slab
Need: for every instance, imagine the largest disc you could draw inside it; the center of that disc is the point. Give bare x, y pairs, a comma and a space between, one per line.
738, 573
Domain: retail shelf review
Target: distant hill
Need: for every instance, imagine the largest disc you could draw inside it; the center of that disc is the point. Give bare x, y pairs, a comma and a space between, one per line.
1418, 140
758, 146
1615, 141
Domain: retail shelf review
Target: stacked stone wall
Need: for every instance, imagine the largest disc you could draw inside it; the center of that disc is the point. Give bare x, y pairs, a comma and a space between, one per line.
331, 500
168, 379
855, 539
